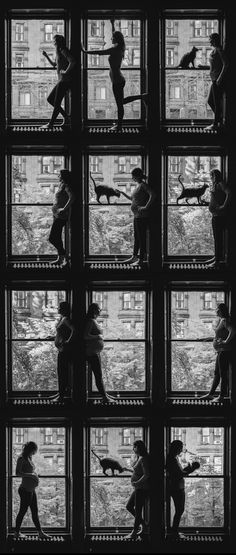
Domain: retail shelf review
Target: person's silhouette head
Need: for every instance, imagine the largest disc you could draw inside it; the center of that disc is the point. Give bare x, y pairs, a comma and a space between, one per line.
29, 449
176, 447
64, 308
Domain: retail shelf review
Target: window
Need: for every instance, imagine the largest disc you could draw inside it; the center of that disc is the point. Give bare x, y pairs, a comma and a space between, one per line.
60, 28
100, 93
136, 57
176, 434
52, 300
174, 91
204, 488
100, 436
24, 99
94, 164
19, 34
53, 497
169, 28
21, 299
190, 356
60, 436
169, 57
187, 228
126, 436
138, 301
19, 60
95, 60
48, 437
192, 91
124, 27
96, 29
43, 94
197, 28
126, 344
206, 435
46, 164
136, 28
48, 32
19, 435
207, 301
122, 165
209, 27
217, 436
126, 301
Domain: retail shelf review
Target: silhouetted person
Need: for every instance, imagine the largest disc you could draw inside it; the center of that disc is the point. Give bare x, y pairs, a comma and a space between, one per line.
65, 65
64, 342
25, 468
219, 206
218, 66
61, 215
116, 55
141, 201
176, 474
140, 481
224, 344
94, 345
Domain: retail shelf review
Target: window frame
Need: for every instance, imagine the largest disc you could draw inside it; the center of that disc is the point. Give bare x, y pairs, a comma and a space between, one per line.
41, 423
200, 287
201, 422
23, 16
26, 394
129, 16
172, 14
146, 340
23, 152
178, 152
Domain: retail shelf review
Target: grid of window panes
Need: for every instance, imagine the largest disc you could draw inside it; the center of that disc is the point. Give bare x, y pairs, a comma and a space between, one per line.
109, 493
34, 181
186, 90
32, 76
187, 222
191, 325
204, 488
32, 355
100, 103
50, 466
110, 220
123, 320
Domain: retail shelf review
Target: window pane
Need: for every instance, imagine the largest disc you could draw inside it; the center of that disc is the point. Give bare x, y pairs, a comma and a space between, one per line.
34, 366
115, 317
39, 319
100, 37
30, 230
204, 503
27, 93
110, 495
193, 366
32, 32
177, 98
123, 367
110, 230
193, 314
49, 461
100, 108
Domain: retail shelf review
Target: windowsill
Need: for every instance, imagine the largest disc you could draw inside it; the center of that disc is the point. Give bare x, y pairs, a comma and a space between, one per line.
197, 538
57, 537
105, 129
35, 401
120, 401
196, 128
28, 127
196, 401
115, 265
36, 265
114, 537
193, 265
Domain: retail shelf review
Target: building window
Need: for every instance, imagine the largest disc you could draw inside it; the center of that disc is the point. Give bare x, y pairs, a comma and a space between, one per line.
99, 299
207, 301
48, 436
174, 92
95, 60
210, 25
138, 301
174, 164
96, 29
54, 479
24, 99
136, 28
21, 299
126, 301
48, 32
43, 93
19, 436
126, 436
46, 164
169, 57
60, 28
169, 28
176, 434
100, 436
19, 34
136, 57
205, 435
124, 27
19, 60
217, 436
192, 91
218, 465
197, 28
94, 164
122, 168
190, 358
100, 93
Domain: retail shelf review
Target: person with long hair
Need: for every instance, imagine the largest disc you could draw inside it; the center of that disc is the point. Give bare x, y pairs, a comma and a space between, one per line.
65, 333
140, 481
94, 345
65, 65
61, 209
218, 66
25, 468
141, 201
219, 205
116, 54
176, 487
224, 344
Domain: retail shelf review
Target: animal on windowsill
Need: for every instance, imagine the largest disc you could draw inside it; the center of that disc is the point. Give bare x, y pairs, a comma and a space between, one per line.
189, 192
105, 190
109, 463
188, 59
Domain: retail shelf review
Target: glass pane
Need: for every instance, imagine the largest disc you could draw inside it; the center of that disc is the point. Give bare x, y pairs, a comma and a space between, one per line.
100, 37
110, 495
31, 36
194, 172
30, 230
189, 231
50, 457
122, 315
30, 90
34, 366
193, 313
51, 503
201, 444
204, 503
110, 230
187, 90
35, 179
35, 313
192, 366
101, 102
113, 171
123, 367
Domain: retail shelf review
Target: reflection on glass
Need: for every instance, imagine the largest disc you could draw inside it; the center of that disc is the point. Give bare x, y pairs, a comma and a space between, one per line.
50, 464
123, 366
110, 495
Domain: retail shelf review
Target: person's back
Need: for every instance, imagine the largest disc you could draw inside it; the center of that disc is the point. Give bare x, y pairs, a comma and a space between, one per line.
26, 466
216, 63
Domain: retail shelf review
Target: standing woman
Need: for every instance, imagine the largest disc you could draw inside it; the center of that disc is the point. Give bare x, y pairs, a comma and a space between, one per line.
176, 474
94, 345
65, 65
224, 344
218, 66
61, 214
220, 199
140, 481
65, 332
25, 468
141, 200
